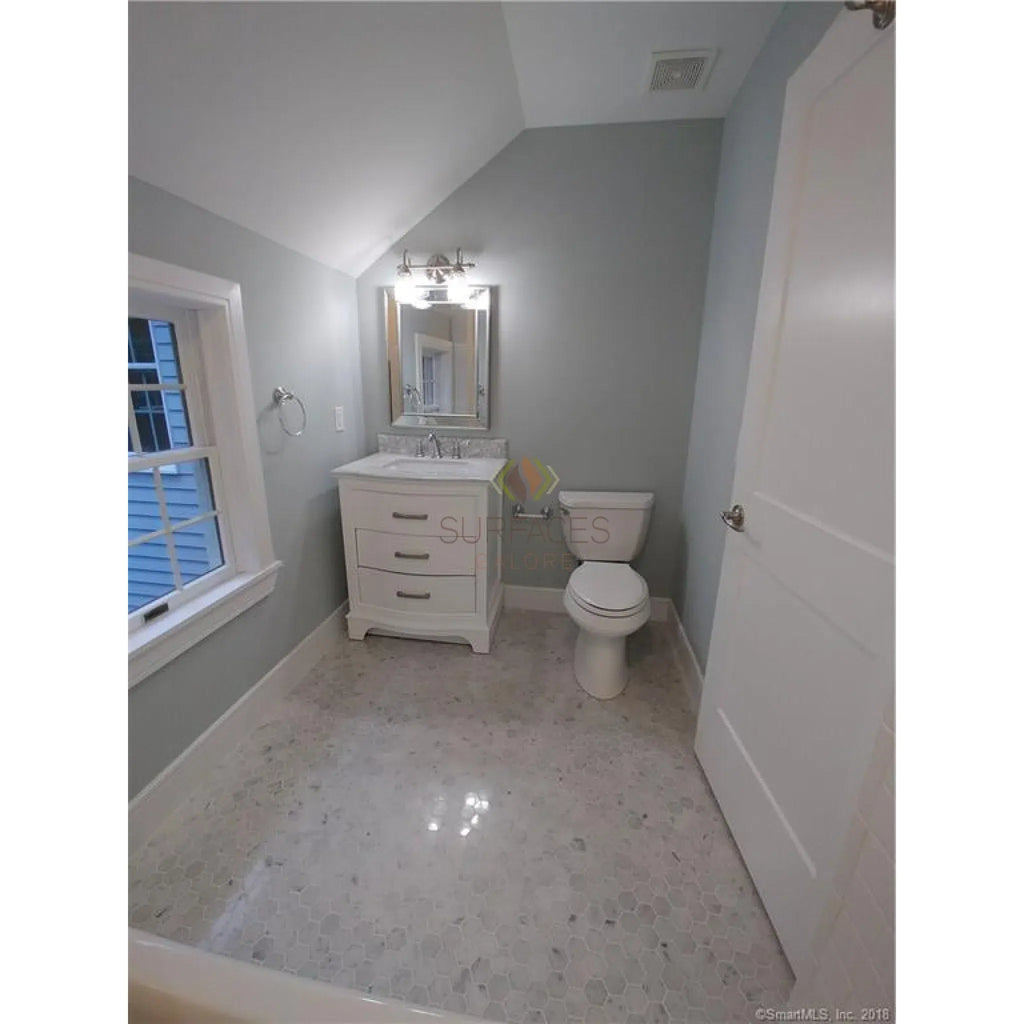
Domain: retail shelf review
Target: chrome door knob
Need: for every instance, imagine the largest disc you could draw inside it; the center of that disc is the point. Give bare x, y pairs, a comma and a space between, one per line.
733, 518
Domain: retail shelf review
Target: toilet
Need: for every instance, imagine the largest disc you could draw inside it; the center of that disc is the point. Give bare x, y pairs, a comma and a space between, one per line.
606, 598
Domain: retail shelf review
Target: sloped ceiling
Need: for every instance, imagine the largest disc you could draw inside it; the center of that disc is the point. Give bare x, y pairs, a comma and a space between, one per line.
330, 128
333, 128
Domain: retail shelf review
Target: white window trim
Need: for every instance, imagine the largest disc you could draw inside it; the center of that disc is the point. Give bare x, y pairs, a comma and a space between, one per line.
231, 422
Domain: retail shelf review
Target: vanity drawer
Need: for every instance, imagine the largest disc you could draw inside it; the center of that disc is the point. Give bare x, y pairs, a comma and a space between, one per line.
420, 556
417, 594
430, 515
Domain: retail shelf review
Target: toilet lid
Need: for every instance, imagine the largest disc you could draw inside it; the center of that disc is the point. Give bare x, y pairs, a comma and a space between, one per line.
611, 587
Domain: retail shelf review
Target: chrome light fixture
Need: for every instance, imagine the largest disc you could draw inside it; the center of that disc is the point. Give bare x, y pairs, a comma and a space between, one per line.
445, 280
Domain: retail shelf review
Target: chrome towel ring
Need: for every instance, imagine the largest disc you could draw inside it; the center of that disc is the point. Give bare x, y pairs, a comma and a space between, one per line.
282, 395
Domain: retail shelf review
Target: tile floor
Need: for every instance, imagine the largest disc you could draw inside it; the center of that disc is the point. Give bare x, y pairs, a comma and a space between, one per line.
473, 832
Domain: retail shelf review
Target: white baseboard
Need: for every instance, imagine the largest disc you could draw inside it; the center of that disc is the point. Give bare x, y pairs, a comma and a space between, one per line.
534, 599
689, 667
549, 599
169, 789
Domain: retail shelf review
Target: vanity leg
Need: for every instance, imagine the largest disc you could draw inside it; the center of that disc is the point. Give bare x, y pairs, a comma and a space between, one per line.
357, 628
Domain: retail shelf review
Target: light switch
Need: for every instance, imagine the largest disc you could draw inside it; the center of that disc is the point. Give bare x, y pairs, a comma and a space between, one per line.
339, 417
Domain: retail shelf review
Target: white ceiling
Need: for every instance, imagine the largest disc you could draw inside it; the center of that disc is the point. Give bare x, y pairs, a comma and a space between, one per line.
333, 128
590, 63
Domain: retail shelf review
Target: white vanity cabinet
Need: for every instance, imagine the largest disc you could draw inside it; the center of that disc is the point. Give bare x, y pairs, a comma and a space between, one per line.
422, 555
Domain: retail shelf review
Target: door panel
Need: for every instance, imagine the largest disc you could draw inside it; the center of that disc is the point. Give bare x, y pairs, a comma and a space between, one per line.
800, 669
827, 447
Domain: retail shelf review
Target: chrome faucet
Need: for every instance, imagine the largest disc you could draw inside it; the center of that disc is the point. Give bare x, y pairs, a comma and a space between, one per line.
432, 439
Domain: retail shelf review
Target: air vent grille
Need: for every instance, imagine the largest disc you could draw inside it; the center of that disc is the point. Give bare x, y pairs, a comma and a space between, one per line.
681, 69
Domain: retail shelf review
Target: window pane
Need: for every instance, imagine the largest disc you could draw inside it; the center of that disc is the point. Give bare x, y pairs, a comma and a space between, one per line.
143, 506
198, 549
162, 420
166, 348
162, 416
142, 376
151, 421
187, 489
140, 345
149, 573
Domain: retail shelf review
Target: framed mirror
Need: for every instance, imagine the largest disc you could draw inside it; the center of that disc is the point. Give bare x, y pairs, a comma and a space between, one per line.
439, 360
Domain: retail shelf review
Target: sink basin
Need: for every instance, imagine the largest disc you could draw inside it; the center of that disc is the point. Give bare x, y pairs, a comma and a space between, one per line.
420, 468
392, 466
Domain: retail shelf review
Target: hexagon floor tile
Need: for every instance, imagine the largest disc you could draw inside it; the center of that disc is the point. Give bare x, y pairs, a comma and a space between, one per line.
473, 832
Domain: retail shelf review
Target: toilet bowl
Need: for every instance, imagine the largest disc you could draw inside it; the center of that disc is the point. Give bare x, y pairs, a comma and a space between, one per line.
605, 597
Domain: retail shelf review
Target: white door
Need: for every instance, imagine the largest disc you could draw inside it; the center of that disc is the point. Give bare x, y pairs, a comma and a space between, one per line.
800, 666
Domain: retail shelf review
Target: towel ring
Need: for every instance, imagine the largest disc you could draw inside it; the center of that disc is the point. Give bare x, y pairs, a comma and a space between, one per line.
282, 395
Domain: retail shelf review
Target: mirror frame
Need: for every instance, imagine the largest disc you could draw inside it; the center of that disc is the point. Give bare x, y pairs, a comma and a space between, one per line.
449, 421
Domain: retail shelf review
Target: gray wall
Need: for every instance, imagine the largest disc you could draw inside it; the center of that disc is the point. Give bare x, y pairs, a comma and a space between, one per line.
742, 207
301, 326
597, 240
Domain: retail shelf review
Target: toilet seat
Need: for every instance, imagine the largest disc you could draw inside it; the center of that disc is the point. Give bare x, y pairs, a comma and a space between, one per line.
608, 589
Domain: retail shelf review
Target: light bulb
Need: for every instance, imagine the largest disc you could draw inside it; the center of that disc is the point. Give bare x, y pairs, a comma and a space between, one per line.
405, 289
458, 286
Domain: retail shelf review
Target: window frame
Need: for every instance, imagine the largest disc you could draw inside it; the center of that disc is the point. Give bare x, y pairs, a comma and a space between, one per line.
201, 449
216, 364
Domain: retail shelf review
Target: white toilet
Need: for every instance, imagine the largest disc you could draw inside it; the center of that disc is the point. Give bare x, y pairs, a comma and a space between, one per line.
604, 596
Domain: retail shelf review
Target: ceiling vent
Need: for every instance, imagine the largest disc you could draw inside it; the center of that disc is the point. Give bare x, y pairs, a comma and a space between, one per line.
681, 69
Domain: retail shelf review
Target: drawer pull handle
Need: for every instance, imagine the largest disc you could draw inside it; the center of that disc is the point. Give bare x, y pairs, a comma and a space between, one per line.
418, 597
411, 554
408, 515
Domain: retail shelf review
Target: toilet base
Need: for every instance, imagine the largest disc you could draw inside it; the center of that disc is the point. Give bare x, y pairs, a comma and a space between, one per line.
600, 664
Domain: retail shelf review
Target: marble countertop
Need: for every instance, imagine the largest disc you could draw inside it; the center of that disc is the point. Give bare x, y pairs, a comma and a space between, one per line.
395, 466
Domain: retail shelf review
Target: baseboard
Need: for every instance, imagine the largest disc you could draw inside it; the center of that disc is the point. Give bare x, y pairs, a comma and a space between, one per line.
689, 667
549, 599
169, 789
534, 599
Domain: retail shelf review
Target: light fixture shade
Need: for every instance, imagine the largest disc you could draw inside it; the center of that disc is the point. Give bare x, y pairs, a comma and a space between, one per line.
458, 286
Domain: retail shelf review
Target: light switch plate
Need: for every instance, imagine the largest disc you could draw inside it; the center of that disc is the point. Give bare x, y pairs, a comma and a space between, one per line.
339, 417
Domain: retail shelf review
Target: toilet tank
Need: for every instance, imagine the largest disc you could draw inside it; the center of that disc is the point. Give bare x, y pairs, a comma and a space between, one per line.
605, 526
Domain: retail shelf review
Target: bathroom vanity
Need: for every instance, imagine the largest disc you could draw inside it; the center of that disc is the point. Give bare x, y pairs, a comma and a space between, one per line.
422, 547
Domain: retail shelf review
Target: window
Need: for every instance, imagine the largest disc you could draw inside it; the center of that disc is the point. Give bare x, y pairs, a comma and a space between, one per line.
199, 550
429, 401
174, 534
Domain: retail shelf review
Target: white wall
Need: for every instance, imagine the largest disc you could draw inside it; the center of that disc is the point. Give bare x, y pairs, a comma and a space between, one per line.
596, 238
742, 206
300, 320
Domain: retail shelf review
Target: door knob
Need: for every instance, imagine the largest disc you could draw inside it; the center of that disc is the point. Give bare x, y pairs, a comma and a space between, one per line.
734, 518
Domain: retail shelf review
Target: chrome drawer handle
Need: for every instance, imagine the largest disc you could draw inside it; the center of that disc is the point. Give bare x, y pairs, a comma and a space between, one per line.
418, 597
408, 515
410, 554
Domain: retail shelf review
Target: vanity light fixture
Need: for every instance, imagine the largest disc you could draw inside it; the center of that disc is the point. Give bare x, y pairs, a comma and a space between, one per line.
446, 281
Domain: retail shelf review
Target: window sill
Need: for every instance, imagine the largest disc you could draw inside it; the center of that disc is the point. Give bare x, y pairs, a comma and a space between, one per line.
153, 646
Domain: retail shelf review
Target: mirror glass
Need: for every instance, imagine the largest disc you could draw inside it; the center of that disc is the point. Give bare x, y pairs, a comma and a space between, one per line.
438, 359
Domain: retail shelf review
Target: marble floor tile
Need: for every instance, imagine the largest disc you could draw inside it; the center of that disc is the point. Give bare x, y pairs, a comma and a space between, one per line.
474, 832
